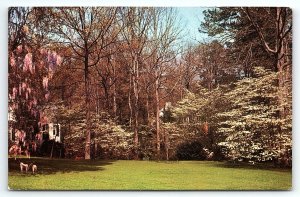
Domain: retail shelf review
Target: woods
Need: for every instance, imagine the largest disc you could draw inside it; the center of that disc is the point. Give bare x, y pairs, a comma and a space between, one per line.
125, 83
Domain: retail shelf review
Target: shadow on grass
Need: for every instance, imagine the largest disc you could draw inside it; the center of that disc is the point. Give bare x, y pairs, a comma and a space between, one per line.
51, 166
257, 166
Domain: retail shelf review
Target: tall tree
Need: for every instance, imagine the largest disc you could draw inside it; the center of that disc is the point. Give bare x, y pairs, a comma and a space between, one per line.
31, 66
136, 21
165, 33
279, 46
266, 33
258, 37
85, 30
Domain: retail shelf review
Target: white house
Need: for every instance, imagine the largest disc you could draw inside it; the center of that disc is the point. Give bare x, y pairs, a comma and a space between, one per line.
52, 130
11, 120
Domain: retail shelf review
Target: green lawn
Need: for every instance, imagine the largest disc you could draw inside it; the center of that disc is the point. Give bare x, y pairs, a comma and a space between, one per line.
145, 175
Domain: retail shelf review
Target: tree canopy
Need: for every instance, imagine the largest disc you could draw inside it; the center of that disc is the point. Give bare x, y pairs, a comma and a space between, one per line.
123, 84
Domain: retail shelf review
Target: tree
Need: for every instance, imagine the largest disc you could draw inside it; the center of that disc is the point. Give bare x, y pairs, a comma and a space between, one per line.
136, 22
85, 30
213, 69
165, 33
279, 47
108, 140
231, 27
189, 67
254, 131
196, 115
31, 66
257, 37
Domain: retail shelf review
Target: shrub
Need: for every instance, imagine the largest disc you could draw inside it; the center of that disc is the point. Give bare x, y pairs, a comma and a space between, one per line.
191, 151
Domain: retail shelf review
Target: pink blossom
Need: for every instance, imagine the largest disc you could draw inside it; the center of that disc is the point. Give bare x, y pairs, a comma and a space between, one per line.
15, 91
25, 68
32, 69
40, 65
47, 96
17, 134
49, 56
43, 51
45, 82
54, 56
34, 101
52, 60
12, 61
58, 60
29, 90
28, 62
19, 49
24, 86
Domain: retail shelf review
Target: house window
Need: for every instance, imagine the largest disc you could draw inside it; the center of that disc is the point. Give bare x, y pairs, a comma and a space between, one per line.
57, 130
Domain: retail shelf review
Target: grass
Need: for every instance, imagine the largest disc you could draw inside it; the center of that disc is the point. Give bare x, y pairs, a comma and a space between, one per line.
61, 174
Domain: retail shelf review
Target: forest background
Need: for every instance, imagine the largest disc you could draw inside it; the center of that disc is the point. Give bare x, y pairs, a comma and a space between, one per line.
4, 71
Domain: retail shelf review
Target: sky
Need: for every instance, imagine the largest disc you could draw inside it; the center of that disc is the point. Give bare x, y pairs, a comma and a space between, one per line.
191, 18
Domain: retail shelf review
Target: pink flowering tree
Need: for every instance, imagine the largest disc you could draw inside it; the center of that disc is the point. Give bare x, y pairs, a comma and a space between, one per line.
30, 69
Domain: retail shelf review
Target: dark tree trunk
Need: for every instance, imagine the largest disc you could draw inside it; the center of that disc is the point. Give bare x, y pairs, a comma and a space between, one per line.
87, 154
157, 115
136, 99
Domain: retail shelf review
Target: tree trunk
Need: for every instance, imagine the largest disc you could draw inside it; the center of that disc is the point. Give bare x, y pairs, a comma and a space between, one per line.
167, 144
279, 50
147, 106
156, 66
280, 57
136, 99
129, 101
97, 100
114, 91
157, 115
106, 93
87, 154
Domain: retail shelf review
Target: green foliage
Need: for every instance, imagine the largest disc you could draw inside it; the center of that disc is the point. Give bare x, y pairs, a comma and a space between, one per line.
221, 22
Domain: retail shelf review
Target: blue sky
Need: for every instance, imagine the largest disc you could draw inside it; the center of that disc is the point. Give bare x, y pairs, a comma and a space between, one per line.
191, 18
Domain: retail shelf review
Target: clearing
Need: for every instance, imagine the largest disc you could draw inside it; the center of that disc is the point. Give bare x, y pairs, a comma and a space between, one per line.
64, 174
